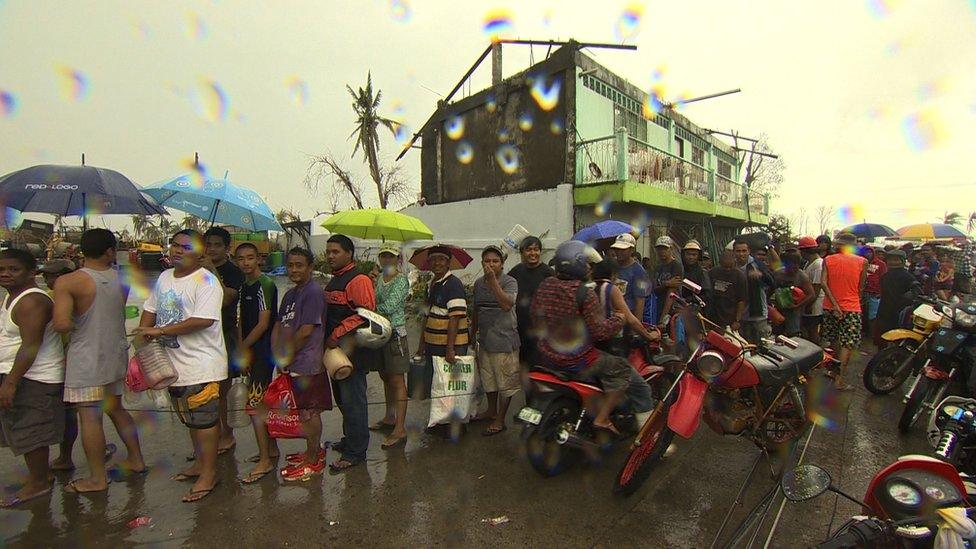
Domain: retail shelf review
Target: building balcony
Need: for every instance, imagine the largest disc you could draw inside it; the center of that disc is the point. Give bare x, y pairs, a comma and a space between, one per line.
623, 168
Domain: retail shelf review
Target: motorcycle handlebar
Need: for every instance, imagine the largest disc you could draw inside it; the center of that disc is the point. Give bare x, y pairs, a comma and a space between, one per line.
859, 534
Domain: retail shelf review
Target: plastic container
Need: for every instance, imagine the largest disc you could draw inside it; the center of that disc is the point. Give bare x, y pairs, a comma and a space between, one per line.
275, 259
236, 403
157, 369
515, 236
337, 363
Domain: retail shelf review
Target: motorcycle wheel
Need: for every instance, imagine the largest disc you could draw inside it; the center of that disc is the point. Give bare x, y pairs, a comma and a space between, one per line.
637, 467
880, 374
915, 405
546, 455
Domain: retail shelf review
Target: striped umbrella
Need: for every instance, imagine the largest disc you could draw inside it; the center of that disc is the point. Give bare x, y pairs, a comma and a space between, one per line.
930, 231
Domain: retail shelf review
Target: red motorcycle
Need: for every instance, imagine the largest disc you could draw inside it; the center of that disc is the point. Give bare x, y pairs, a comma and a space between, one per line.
902, 503
557, 427
742, 389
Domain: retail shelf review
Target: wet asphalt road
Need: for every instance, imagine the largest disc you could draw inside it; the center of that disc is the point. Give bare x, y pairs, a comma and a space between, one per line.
438, 493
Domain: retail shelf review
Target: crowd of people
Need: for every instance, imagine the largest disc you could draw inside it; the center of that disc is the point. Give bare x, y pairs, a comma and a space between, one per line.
64, 353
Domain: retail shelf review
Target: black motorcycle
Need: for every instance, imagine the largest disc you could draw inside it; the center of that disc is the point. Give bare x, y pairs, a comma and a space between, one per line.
950, 356
952, 431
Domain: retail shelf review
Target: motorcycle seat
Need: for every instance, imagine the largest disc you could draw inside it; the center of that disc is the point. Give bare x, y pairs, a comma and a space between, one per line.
562, 375
664, 358
789, 364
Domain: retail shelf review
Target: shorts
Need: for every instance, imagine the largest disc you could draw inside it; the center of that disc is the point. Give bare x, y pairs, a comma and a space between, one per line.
36, 419
812, 322
499, 372
844, 331
393, 358
313, 392
258, 378
872, 302
196, 405
612, 371
754, 330
92, 394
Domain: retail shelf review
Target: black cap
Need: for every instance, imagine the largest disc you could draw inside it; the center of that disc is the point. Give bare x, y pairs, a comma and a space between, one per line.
896, 253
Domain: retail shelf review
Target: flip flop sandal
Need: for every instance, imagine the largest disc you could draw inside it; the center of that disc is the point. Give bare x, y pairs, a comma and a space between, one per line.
222, 451
118, 474
400, 441
381, 426
340, 468
72, 488
195, 496
182, 477
257, 457
62, 468
492, 431
15, 501
251, 478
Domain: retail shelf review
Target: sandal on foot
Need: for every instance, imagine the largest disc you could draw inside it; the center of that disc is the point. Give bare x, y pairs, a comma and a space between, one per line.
257, 457
15, 501
72, 488
381, 426
253, 477
222, 451
492, 431
196, 495
117, 473
398, 441
343, 464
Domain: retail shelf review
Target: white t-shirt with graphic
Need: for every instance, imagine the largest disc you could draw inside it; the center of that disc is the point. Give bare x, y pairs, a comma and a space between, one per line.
199, 357
814, 271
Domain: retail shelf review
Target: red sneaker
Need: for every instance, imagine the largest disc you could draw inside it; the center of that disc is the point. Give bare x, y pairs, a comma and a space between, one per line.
302, 471
299, 457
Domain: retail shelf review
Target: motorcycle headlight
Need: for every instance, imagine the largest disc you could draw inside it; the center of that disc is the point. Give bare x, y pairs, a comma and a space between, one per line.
710, 364
964, 319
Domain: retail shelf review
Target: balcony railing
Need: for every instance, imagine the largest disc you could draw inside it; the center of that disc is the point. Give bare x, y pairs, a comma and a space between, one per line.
603, 160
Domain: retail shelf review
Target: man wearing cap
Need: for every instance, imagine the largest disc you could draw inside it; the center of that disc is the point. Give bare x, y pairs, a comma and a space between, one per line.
493, 324
392, 289
54, 269
813, 312
528, 274
668, 275
898, 290
694, 271
844, 276
630, 271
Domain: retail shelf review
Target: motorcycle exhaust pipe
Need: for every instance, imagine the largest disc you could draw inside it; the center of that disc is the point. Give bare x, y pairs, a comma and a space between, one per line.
570, 438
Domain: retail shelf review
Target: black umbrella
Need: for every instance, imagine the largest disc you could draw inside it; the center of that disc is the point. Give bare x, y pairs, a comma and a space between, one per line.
870, 230
74, 190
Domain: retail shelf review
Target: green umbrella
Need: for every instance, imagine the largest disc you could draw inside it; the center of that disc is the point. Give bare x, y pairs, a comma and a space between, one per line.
378, 224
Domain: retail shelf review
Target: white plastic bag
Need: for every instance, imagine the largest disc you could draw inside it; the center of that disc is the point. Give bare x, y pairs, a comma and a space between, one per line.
452, 390
151, 400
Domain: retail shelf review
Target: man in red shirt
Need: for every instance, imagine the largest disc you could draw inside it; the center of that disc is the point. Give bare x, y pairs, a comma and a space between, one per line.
570, 317
844, 276
872, 289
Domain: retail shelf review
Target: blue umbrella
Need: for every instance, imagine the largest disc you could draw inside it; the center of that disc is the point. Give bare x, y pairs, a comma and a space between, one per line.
215, 200
74, 190
610, 228
870, 230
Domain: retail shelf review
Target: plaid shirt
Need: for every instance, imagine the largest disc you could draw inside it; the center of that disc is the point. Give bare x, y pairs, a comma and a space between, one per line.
567, 331
964, 265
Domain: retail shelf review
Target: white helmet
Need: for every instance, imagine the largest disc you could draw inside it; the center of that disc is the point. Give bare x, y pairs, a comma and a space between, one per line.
375, 332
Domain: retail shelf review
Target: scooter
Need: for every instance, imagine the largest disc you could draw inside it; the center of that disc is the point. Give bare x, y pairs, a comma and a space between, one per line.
906, 504
952, 432
738, 387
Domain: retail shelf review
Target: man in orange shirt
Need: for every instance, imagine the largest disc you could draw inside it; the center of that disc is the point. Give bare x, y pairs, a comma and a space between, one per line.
844, 275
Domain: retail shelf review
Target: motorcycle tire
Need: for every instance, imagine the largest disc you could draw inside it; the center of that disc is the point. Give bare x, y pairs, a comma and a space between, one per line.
546, 455
916, 403
640, 461
879, 373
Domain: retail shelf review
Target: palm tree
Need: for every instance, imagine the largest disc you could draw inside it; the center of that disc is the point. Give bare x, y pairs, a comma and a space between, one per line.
139, 225
971, 222
193, 222
365, 104
953, 218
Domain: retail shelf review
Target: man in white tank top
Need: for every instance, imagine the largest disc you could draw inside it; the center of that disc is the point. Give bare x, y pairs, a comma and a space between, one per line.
89, 304
31, 373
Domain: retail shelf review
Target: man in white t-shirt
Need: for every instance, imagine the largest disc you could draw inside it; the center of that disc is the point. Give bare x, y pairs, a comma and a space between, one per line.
813, 315
183, 314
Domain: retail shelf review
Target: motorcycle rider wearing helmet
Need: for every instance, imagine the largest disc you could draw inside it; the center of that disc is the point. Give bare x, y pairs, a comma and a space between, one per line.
348, 290
569, 319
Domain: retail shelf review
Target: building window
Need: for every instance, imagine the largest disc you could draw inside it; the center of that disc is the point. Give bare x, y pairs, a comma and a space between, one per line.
627, 111
697, 156
680, 146
725, 169
635, 124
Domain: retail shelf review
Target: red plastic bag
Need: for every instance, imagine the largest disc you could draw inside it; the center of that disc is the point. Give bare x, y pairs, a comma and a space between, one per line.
134, 379
284, 420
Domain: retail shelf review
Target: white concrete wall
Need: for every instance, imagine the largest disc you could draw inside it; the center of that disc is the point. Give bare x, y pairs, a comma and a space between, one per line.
473, 224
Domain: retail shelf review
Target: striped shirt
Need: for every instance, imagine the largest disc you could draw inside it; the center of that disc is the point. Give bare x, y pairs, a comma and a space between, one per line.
446, 299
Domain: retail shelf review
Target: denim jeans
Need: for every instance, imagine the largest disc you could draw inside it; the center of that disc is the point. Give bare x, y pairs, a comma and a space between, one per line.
355, 414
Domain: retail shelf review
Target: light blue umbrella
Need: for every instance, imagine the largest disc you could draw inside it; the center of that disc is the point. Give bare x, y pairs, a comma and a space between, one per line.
215, 200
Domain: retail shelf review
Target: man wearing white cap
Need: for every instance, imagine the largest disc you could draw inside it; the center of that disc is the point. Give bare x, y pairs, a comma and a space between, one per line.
638, 284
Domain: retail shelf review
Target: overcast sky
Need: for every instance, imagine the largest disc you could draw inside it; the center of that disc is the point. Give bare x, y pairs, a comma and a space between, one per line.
871, 103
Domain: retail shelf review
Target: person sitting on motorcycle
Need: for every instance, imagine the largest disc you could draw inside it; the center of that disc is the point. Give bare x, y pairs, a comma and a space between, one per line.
568, 318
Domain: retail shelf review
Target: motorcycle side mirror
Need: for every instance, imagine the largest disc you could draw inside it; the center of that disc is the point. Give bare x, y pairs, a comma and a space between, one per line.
805, 482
